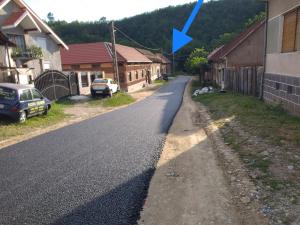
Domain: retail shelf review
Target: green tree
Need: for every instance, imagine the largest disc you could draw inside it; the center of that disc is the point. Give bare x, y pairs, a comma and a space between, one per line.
196, 61
50, 17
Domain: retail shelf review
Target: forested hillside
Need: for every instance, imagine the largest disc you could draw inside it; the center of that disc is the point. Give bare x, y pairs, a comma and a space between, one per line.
154, 29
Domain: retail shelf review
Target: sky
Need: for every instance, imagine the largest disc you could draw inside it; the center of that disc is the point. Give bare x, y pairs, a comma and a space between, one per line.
93, 10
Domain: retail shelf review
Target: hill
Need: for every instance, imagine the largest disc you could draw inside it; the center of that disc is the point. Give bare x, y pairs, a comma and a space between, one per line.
154, 29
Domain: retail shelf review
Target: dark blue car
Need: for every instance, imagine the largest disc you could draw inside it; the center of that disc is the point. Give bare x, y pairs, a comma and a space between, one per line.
20, 102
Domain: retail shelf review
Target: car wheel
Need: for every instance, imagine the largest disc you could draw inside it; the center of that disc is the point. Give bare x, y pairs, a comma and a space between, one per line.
22, 117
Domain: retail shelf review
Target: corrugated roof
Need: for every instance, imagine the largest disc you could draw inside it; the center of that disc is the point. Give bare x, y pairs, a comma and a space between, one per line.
13, 18
86, 53
222, 51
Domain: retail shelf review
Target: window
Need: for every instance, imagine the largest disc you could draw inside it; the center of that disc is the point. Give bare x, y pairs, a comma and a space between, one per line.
84, 79
130, 76
36, 94
291, 31
26, 95
136, 75
41, 42
290, 89
46, 65
19, 40
96, 75
7, 94
143, 73
277, 86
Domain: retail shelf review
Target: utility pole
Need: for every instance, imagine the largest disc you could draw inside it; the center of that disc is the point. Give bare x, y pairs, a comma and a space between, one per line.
173, 64
114, 52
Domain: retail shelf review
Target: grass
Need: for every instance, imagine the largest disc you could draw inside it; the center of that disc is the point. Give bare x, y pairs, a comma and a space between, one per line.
118, 99
267, 121
160, 82
10, 128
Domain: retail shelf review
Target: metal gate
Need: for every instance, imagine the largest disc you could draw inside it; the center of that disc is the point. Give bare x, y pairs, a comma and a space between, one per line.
55, 85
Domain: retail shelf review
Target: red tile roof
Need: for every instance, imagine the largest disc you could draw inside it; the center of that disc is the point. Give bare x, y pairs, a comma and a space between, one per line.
100, 52
86, 53
13, 18
222, 51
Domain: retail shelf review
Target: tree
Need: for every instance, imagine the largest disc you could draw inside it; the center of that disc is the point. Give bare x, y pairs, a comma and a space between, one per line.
197, 62
103, 20
224, 39
255, 19
50, 17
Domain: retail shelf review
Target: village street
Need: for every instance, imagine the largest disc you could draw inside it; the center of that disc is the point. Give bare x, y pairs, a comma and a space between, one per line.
93, 172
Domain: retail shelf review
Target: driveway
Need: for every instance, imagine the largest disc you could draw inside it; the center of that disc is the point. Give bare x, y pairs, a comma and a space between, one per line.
93, 172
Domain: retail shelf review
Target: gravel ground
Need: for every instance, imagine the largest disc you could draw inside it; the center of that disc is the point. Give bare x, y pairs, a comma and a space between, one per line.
93, 172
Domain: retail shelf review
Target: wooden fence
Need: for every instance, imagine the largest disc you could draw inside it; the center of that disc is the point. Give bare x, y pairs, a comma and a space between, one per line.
244, 80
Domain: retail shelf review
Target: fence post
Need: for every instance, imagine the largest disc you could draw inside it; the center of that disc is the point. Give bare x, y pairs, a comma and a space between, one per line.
53, 81
70, 84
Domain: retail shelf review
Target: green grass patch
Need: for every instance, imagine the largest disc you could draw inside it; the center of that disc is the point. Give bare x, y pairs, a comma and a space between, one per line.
160, 82
10, 128
258, 118
118, 99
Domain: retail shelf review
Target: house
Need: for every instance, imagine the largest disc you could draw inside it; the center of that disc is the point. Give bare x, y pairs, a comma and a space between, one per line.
238, 65
282, 73
37, 47
156, 65
166, 65
94, 60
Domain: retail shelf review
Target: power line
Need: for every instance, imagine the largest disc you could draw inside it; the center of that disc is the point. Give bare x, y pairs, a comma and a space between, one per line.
131, 39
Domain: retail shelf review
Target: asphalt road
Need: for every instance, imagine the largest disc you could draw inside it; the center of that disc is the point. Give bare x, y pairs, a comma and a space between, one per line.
93, 172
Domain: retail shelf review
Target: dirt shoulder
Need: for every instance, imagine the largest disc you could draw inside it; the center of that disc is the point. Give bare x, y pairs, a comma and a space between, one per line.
189, 186
74, 113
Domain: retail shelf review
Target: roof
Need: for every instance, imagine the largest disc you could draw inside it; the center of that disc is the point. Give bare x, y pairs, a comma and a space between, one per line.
86, 53
224, 50
131, 55
164, 59
150, 55
37, 20
13, 18
14, 86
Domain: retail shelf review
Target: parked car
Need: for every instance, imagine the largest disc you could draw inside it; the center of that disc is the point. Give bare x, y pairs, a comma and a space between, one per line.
20, 102
104, 87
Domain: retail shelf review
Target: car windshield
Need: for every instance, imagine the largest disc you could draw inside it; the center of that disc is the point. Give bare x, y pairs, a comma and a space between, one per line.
7, 94
100, 81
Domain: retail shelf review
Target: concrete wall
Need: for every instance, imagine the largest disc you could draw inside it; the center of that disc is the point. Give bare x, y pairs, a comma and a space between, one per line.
250, 52
282, 78
278, 7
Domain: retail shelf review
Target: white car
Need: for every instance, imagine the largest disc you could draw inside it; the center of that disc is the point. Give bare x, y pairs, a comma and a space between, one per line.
103, 87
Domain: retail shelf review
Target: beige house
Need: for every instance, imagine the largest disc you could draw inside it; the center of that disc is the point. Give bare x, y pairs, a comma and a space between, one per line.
37, 47
282, 77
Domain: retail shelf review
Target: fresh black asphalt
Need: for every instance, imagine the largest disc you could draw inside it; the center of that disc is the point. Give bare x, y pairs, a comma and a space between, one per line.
93, 172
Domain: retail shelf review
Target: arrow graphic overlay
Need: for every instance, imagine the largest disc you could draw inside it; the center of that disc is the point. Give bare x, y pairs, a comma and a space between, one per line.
180, 38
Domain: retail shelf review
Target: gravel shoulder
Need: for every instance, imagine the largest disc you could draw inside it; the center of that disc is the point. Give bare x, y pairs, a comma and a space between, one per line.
189, 186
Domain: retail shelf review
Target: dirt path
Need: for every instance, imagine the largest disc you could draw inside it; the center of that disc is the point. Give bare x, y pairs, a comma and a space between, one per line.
189, 186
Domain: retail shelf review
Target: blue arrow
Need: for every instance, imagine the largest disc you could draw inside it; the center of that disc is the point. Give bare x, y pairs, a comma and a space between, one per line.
180, 38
